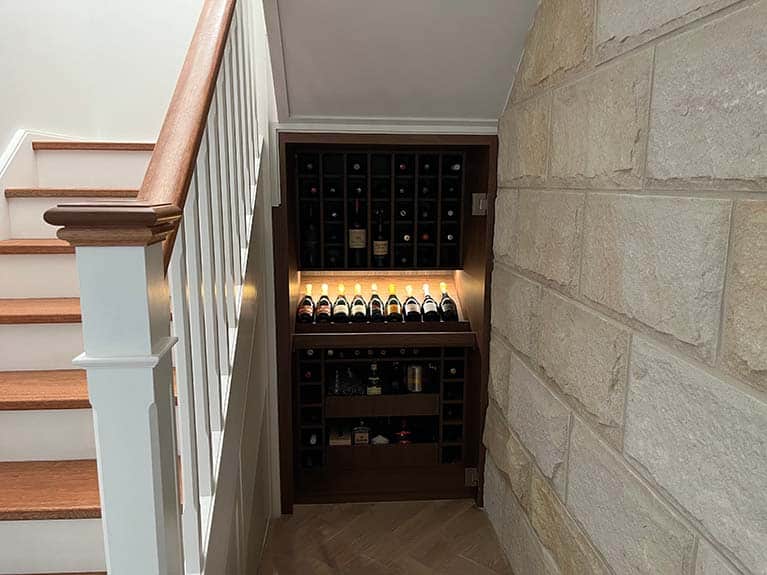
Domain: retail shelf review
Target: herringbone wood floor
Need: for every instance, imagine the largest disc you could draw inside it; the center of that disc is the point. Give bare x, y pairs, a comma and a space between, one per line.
397, 538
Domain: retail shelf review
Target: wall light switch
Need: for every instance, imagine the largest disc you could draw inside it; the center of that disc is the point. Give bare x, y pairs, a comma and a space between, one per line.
479, 204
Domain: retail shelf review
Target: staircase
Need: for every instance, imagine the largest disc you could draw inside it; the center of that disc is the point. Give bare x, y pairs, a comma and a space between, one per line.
49, 498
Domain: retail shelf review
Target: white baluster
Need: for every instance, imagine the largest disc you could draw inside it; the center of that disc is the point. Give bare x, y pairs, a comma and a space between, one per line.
190, 517
237, 97
203, 414
234, 180
208, 265
216, 209
226, 199
126, 319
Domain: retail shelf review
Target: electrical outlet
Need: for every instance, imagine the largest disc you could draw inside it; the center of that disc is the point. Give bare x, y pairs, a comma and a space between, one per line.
479, 204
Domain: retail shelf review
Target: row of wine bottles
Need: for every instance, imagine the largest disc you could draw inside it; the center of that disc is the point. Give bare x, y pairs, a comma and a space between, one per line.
375, 309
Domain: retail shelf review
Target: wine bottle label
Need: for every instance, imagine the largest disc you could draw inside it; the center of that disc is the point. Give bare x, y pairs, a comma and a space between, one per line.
323, 308
305, 309
411, 307
380, 247
429, 306
392, 308
359, 309
357, 239
341, 308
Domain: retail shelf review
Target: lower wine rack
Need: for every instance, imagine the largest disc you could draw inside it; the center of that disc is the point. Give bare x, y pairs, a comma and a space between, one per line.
380, 415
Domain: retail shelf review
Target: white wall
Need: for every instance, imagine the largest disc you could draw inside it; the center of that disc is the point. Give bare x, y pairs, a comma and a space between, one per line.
91, 68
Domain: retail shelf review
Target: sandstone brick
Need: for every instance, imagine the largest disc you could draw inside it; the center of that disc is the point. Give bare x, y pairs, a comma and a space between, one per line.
659, 260
549, 229
515, 303
508, 454
703, 440
635, 532
559, 43
744, 351
499, 373
560, 534
707, 123
518, 539
523, 134
710, 562
587, 357
505, 233
625, 24
540, 420
599, 126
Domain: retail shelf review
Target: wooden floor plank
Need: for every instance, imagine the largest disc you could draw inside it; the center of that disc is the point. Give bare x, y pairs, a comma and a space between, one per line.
49, 490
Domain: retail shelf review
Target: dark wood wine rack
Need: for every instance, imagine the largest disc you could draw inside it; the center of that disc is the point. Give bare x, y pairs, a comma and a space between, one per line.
321, 465
419, 193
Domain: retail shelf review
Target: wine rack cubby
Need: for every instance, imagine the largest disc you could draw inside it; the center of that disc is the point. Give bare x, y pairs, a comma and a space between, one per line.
412, 200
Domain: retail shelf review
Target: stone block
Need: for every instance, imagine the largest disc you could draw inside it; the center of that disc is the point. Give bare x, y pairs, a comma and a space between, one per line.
523, 135
586, 356
705, 442
661, 261
515, 303
505, 233
498, 385
709, 97
540, 420
549, 228
560, 534
599, 127
508, 454
635, 532
559, 43
625, 24
744, 346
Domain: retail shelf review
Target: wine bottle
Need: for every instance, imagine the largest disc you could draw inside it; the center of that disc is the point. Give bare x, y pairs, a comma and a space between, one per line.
404, 213
324, 307
305, 313
412, 307
374, 380
334, 258
380, 242
357, 238
429, 307
359, 307
341, 306
447, 307
375, 305
405, 237
393, 306
311, 240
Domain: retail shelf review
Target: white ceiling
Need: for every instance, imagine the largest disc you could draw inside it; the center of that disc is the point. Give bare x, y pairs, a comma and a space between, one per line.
396, 61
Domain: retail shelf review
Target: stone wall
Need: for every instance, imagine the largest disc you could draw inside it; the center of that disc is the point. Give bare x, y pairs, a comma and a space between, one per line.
627, 426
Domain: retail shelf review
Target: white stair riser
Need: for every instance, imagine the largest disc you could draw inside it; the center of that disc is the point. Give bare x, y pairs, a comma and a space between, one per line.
26, 214
91, 168
38, 275
47, 435
64, 545
39, 346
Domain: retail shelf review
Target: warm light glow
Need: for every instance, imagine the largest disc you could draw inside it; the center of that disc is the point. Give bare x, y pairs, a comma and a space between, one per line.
374, 288
357, 289
409, 290
308, 289
341, 289
324, 288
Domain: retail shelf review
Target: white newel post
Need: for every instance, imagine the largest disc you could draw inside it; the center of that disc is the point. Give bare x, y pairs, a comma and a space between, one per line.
126, 333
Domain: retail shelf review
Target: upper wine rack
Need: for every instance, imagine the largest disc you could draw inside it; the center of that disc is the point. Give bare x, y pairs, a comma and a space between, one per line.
379, 209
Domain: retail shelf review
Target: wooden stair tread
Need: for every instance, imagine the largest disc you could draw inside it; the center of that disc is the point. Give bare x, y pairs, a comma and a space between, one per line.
25, 246
40, 310
49, 490
101, 146
54, 389
69, 193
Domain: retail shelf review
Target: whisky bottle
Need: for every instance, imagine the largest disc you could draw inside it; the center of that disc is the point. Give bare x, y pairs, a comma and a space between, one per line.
357, 238
380, 242
359, 307
375, 305
447, 307
429, 307
341, 306
393, 306
324, 307
412, 307
305, 313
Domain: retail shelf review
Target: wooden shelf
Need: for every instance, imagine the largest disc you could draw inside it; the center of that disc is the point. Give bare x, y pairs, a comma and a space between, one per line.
414, 404
383, 327
384, 339
391, 455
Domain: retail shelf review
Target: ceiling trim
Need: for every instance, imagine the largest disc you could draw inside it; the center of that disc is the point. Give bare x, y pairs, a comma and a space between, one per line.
391, 125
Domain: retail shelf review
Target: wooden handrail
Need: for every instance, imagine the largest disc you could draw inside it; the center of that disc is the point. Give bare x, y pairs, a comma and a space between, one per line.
174, 158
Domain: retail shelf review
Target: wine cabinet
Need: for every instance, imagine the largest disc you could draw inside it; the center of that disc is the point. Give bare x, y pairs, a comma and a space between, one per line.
382, 405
